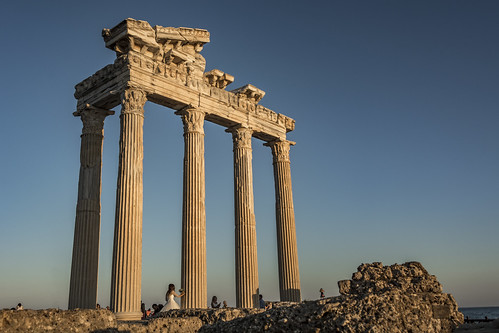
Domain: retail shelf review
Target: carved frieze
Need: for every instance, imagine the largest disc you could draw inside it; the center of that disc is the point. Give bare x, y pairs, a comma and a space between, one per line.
167, 53
102, 76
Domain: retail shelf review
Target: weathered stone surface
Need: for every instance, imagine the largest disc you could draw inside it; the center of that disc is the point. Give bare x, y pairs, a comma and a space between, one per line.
54, 320
85, 261
246, 250
287, 250
398, 309
166, 62
193, 264
397, 298
210, 316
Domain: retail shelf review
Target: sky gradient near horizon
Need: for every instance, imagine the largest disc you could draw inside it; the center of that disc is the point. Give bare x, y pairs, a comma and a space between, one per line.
397, 154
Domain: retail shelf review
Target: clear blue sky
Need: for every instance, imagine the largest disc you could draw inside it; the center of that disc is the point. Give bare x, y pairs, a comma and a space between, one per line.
397, 155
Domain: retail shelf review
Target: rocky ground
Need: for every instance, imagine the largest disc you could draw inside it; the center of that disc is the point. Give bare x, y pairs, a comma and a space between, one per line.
396, 298
490, 327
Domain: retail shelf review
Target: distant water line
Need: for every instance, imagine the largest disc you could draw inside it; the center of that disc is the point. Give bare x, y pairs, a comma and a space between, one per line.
491, 312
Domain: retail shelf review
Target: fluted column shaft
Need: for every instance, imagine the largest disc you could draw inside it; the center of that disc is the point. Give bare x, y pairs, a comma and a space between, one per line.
287, 252
246, 250
85, 262
193, 267
127, 248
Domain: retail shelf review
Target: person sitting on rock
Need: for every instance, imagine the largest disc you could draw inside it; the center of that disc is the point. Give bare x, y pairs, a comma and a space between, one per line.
322, 293
19, 306
262, 302
225, 305
214, 303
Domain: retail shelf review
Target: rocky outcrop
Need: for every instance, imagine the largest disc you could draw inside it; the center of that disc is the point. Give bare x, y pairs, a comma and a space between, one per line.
396, 298
209, 316
54, 320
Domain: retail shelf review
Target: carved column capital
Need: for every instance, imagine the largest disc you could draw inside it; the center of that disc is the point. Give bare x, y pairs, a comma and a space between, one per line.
193, 119
132, 101
241, 136
280, 149
92, 119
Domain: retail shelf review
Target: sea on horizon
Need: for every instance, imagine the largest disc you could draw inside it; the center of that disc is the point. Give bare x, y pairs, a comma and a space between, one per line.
491, 312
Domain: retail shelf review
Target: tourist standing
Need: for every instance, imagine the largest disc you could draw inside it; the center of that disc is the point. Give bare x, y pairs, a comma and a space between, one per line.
322, 293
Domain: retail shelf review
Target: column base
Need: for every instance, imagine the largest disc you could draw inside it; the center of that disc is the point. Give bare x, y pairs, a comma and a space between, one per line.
127, 316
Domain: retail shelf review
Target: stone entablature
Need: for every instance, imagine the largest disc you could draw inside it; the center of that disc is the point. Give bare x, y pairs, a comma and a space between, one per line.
163, 60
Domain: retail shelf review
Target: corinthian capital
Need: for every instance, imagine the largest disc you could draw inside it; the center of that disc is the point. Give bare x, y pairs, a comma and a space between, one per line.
133, 100
280, 149
192, 118
241, 136
92, 119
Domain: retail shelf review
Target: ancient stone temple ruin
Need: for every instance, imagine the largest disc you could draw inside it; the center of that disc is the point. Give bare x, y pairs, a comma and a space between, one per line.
163, 65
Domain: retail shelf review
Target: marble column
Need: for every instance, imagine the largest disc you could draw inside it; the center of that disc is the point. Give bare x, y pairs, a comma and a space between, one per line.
85, 263
246, 251
287, 253
127, 248
193, 266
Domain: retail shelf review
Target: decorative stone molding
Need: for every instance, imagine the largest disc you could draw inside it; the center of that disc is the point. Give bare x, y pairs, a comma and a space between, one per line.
217, 78
174, 54
193, 119
131, 35
280, 150
250, 92
133, 100
241, 136
183, 74
102, 76
92, 119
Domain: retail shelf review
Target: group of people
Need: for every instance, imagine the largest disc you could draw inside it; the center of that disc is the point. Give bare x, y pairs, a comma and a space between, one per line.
171, 304
18, 307
216, 305
98, 307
